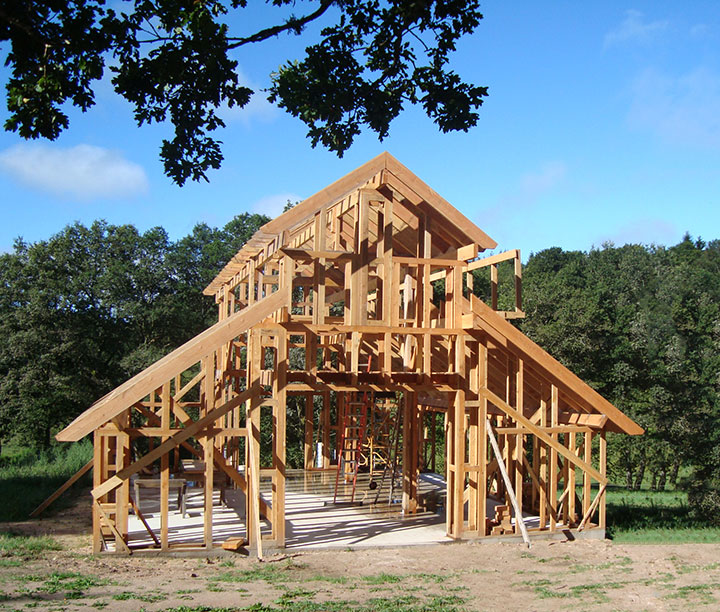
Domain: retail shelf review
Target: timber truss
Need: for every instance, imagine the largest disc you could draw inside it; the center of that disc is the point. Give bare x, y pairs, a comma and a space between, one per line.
364, 287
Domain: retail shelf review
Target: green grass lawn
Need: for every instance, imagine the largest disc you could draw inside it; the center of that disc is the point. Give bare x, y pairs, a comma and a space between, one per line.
654, 517
28, 477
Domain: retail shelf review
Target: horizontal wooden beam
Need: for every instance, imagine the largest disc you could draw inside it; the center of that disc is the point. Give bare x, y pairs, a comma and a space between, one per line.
493, 259
307, 255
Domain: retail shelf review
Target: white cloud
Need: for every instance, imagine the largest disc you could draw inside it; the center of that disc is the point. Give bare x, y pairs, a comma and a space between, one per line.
534, 184
257, 109
530, 188
699, 30
273, 205
644, 231
682, 109
83, 172
634, 30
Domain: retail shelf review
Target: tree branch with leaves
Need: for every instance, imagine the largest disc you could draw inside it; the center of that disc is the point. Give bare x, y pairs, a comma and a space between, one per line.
171, 59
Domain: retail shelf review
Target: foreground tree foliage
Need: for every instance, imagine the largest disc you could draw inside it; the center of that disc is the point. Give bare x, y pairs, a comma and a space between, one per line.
174, 60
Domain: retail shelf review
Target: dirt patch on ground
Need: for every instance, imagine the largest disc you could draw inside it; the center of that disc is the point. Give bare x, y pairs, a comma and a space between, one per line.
586, 574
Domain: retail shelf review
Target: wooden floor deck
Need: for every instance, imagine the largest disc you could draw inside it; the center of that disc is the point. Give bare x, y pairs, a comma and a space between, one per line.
312, 520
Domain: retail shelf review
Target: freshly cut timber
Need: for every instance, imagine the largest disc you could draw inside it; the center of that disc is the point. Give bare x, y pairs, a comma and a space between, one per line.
358, 303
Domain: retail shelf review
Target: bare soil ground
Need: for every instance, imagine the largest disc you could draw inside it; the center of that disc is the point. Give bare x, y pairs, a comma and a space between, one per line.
578, 575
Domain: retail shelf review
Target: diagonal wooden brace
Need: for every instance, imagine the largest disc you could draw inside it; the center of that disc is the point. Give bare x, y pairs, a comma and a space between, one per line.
541, 435
111, 524
191, 430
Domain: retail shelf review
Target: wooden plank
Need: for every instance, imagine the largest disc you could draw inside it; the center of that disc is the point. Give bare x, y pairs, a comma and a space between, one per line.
189, 385
467, 252
519, 520
234, 544
548, 430
140, 515
164, 369
493, 259
68, 483
111, 525
439, 263
317, 253
591, 508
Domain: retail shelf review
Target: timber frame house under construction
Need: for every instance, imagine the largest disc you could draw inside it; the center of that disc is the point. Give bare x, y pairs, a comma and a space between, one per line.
357, 301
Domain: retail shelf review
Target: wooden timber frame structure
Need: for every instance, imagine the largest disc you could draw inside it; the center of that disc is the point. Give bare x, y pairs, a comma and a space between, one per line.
373, 269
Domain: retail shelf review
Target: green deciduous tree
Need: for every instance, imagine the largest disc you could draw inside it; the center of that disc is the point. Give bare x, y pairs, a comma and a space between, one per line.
90, 307
641, 325
173, 60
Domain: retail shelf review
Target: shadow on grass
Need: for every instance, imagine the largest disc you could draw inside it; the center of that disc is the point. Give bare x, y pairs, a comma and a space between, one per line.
29, 478
654, 516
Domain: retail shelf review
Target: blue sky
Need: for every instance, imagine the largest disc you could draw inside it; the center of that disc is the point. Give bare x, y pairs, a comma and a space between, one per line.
602, 124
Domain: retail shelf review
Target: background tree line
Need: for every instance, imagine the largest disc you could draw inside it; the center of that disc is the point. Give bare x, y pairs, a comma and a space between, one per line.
85, 310
90, 307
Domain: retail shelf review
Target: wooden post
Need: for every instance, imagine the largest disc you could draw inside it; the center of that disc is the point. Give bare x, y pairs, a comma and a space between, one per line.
572, 447
164, 467
494, 286
319, 276
519, 442
554, 403
98, 442
253, 443
587, 483
602, 517
518, 283
279, 440
325, 416
208, 451
410, 454
543, 457
309, 450
387, 256
456, 464
482, 441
